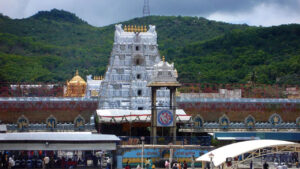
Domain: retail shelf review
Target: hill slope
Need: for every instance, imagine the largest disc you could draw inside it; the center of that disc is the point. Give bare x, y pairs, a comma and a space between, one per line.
50, 46
262, 55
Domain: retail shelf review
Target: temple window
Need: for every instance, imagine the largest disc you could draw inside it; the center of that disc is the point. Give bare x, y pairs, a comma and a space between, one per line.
139, 92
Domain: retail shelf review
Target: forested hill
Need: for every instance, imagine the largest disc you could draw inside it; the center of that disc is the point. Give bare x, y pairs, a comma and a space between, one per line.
261, 55
50, 46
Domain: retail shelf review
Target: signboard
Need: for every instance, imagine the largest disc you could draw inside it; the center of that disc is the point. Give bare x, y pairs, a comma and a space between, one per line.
187, 153
165, 118
137, 153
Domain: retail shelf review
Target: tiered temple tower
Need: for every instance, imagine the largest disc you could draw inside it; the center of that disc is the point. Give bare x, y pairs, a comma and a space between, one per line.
131, 65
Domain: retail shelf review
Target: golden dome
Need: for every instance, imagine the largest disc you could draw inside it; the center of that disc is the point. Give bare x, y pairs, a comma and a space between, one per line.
77, 79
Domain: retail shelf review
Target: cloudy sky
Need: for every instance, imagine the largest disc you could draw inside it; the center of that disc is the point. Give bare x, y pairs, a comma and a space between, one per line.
104, 12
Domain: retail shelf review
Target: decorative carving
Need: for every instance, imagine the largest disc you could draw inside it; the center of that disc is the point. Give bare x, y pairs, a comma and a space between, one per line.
224, 121
250, 121
135, 34
23, 123
152, 29
198, 121
51, 122
79, 122
275, 119
163, 71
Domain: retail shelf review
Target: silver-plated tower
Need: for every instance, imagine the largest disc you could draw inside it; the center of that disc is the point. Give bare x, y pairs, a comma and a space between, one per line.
134, 54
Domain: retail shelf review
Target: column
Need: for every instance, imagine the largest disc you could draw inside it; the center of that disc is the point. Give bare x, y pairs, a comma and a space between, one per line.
153, 115
171, 108
173, 104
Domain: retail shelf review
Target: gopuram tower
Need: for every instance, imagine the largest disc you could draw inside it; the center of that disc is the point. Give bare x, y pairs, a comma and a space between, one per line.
131, 65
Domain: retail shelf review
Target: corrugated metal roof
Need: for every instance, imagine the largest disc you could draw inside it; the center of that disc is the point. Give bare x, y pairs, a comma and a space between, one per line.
178, 99
238, 100
120, 115
58, 99
58, 136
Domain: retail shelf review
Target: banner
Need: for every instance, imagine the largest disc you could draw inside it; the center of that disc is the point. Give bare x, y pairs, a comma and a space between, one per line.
165, 118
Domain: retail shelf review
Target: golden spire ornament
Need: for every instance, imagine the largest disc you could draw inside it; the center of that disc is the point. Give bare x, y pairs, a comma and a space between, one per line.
131, 28
163, 58
125, 28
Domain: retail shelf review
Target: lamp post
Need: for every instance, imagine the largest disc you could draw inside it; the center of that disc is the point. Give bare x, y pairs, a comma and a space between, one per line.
211, 156
143, 139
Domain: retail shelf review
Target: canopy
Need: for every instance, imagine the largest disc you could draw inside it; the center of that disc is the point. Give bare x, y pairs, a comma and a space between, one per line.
219, 155
57, 141
124, 116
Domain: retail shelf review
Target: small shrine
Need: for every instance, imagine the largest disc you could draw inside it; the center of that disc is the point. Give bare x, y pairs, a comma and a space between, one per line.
164, 75
75, 87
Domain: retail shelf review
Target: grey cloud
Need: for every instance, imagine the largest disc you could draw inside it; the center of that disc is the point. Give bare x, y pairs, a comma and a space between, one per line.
104, 12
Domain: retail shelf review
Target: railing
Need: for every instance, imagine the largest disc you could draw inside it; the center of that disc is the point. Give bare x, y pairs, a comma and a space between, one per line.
165, 140
240, 125
43, 127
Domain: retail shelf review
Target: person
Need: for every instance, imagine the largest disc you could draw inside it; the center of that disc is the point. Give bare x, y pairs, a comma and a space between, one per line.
109, 161
174, 166
46, 161
11, 162
284, 166
193, 162
266, 165
207, 165
251, 164
148, 163
167, 164
184, 165
95, 160
127, 166
179, 165
151, 163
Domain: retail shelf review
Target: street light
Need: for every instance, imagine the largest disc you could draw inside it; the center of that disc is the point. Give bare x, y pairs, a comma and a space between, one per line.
211, 156
143, 139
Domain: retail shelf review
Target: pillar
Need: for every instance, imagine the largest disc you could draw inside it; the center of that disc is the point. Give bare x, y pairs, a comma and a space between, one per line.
173, 108
153, 116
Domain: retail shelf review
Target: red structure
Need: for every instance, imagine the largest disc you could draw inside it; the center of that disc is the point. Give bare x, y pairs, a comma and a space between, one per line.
38, 102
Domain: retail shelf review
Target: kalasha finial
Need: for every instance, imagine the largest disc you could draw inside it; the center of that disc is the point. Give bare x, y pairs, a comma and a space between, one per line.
125, 28
163, 58
77, 72
131, 30
145, 28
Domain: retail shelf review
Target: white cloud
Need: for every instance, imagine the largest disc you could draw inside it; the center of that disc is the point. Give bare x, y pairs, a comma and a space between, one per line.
265, 14
12, 8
